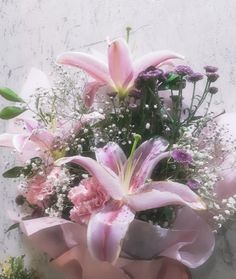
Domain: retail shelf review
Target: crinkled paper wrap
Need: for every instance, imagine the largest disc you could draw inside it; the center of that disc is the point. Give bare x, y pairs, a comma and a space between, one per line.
172, 250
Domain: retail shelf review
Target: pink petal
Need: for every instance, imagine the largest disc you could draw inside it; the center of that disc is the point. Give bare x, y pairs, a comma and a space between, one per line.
153, 59
42, 138
30, 124
91, 88
6, 140
19, 142
106, 178
106, 231
111, 156
120, 64
90, 64
159, 194
145, 159
26, 148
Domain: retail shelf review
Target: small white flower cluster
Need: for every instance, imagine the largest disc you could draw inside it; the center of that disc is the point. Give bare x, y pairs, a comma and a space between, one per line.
63, 101
205, 141
62, 187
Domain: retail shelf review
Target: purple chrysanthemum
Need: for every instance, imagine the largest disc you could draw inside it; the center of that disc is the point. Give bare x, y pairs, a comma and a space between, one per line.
183, 70
193, 184
152, 73
194, 77
211, 69
213, 90
212, 77
181, 156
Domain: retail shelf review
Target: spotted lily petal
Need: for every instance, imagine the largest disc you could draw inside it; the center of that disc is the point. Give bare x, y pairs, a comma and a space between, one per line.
145, 159
30, 124
42, 138
107, 229
111, 156
162, 193
106, 178
90, 91
119, 62
153, 59
95, 67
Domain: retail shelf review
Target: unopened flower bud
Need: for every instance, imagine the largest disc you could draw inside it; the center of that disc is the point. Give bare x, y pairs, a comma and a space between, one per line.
211, 69
194, 77
213, 90
212, 77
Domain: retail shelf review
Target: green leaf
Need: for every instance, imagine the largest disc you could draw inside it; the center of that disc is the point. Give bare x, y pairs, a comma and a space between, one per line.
14, 172
12, 227
26, 171
11, 112
171, 77
10, 95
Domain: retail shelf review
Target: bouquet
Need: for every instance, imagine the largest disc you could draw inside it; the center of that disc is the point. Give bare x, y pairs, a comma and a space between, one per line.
124, 169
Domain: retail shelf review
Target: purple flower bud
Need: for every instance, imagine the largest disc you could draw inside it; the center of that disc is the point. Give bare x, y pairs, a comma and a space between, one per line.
183, 70
193, 184
211, 69
212, 77
194, 77
213, 90
181, 156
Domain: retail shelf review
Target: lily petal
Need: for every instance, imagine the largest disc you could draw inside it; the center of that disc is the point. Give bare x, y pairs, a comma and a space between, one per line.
145, 159
159, 194
90, 91
111, 156
42, 138
6, 140
30, 124
119, 62
107, 229
106, 178
153, 59
93, 66
19, 142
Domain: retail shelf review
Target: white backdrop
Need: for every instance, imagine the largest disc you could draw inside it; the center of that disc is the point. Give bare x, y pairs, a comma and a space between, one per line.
34, 32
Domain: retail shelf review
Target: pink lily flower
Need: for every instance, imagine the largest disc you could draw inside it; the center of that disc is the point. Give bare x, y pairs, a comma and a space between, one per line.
38, 141
125, 181
119, 72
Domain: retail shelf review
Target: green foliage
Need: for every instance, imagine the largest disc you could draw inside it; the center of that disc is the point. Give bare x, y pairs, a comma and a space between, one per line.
14, 268
11, 112
10, 95
26, 171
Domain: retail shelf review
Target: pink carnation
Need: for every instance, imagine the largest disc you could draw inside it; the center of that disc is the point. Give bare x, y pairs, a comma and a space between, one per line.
87, 198
41, 187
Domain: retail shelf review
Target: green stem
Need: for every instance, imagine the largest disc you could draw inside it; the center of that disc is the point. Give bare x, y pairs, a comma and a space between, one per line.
193, 96
128, 29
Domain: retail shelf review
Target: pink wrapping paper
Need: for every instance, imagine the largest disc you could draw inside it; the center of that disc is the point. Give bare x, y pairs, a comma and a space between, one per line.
65, 242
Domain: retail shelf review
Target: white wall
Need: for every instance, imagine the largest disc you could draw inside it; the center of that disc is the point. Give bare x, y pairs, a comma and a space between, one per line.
34, 32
